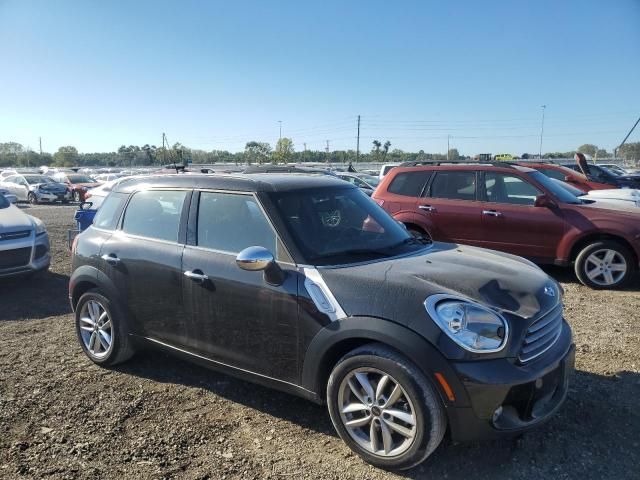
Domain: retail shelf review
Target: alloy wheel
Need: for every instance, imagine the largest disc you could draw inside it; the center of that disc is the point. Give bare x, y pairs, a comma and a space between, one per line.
605, 267
96, 329
377, 412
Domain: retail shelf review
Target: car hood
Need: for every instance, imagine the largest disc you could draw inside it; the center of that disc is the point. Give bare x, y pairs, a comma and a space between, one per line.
50, 186
13, 219
605, 208
616, 193
396, 288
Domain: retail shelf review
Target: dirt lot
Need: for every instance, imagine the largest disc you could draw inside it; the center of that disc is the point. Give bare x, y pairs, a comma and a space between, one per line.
157, 417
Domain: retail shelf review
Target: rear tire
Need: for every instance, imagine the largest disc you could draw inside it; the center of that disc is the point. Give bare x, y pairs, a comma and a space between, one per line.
101, 329
33, 200
605, 264
76, 196
388, 428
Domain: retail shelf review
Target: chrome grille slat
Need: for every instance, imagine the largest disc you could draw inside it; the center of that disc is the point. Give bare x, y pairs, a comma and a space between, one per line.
550, 327
14, 235
541, 335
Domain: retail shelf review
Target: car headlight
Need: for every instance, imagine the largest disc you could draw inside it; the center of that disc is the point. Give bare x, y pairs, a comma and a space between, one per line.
39, 226
474, 327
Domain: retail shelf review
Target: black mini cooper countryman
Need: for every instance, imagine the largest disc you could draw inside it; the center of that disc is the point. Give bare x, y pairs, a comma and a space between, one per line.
304, 284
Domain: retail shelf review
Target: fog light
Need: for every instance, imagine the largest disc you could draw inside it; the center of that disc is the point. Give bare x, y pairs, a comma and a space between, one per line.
496, 414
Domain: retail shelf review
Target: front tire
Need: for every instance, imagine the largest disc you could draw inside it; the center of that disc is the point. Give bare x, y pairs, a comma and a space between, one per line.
76, 196
418, 233
384, 408
605, 264
101, 329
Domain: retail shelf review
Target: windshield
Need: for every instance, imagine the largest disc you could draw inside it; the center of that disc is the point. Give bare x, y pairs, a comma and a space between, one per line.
332, 226
569, 188
370, 179
559, 192
80, 179
31, 179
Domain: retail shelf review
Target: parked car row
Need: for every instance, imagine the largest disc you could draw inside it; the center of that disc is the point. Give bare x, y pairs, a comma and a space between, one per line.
518, 210
303, 284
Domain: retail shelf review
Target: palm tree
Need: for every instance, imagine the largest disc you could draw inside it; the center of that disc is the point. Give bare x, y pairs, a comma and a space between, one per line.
385, 149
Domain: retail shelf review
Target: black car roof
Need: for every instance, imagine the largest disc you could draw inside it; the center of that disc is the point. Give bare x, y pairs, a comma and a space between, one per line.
260, 182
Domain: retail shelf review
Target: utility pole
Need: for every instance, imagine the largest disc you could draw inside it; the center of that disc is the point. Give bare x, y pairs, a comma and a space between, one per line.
541, 131
448, 137
40, 141
327, 151
358, 142
164, 150
304, 155
615, 150
280, 122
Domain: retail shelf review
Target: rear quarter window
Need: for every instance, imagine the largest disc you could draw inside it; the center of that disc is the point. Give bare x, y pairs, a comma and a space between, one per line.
109, 212
409, 184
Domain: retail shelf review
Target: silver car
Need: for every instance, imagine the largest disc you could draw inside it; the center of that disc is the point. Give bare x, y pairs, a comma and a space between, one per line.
8, 195
24, 242
35, 188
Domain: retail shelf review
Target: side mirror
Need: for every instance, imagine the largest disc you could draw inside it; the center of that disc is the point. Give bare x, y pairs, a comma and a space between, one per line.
254, 259
544, 201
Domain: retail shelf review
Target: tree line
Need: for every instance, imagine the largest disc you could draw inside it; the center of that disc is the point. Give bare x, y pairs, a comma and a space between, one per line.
13, 154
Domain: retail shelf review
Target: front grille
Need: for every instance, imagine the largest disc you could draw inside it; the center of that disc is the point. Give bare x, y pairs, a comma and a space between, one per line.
541, 335
15, 258
14, 235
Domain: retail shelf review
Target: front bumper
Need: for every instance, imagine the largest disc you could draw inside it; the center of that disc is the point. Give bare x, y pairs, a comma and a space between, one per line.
507, 398
52, 197
24, 256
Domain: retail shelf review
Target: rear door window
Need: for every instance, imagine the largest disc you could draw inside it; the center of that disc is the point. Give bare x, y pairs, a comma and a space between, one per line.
454, 185
231, 222
409, 184
154, 214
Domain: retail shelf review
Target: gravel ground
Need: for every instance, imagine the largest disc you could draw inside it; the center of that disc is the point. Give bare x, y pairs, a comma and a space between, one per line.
156, 417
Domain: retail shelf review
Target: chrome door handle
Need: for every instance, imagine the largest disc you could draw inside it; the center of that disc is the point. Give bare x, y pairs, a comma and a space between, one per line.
492, 213
111, 258
195, 276
428, 208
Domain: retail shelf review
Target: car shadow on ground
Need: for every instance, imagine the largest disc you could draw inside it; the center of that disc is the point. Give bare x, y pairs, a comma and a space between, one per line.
567, 275
41, 295
581, 427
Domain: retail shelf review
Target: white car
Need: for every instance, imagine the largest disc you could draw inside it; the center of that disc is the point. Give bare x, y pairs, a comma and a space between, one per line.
97, 195
384, 169
24, 242
621, 197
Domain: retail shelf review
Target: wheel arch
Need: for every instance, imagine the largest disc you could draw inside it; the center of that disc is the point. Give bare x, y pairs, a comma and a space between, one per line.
585, 240
340, 337
87, 277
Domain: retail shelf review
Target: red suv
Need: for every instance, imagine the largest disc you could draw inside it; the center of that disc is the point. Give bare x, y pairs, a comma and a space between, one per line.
517, 210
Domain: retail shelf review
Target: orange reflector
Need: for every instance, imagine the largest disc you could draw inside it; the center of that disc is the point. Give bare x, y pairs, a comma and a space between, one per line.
445, 386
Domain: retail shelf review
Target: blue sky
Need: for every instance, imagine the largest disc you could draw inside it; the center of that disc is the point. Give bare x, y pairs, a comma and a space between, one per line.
215, 75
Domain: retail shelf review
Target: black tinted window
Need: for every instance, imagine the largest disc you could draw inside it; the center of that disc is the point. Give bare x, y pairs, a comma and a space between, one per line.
551, 173
109, 213
457, 185
232, 222
154, 214
409, 183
